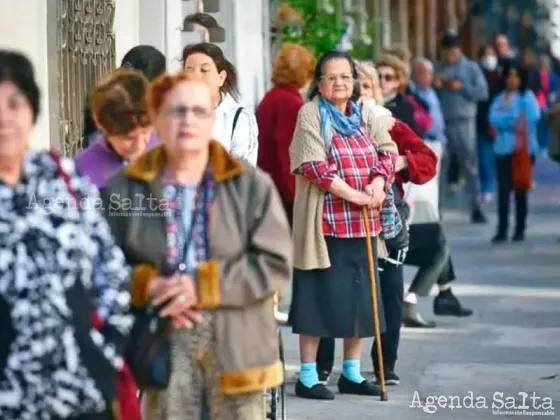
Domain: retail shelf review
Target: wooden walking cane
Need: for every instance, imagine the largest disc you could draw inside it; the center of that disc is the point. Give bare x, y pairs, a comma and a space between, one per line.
372, 279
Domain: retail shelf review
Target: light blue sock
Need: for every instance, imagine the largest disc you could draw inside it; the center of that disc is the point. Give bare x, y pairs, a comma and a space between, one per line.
308, 375
351, 371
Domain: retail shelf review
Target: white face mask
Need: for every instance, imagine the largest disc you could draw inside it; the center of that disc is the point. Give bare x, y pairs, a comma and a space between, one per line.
489, 62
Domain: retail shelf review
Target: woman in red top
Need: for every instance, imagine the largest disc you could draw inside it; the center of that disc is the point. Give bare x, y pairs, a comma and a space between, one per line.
277, 115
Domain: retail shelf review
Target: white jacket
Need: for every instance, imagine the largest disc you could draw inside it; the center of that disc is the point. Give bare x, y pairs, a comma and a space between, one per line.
243, 141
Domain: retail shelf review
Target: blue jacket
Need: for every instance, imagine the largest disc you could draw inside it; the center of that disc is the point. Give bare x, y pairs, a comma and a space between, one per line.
462, 105
505, 116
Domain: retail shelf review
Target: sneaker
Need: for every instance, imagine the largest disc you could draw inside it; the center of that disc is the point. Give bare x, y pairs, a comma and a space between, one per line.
324, 377
391, 378
518, 237
478, 217
413, 319
499, 238
447, 304
281, 317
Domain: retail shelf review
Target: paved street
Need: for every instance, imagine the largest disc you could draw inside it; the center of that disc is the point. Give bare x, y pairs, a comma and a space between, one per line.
510, 345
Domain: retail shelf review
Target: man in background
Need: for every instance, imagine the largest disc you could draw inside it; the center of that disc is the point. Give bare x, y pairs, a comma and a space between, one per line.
460, 84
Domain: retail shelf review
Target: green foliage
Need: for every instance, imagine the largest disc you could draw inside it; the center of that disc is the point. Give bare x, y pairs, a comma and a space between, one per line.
320, 32
362, 51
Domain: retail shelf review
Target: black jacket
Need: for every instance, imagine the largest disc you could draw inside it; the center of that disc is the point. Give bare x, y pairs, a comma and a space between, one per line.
404, 111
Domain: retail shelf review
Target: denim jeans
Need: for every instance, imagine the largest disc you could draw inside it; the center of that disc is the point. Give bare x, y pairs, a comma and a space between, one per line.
486, 162
543, 134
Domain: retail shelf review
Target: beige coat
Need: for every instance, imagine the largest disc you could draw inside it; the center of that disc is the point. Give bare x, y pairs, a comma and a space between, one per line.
250, 258
310, 248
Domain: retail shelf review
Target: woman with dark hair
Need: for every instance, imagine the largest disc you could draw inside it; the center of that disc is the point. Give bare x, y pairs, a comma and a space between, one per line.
514, 114
144, 58
344, 160
235, 127
120, 109
58, 261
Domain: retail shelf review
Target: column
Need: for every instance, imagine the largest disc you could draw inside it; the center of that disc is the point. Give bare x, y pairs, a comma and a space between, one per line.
126, 26
452, 24
403, 21
246, 43
431, 28
159, 24
419, 20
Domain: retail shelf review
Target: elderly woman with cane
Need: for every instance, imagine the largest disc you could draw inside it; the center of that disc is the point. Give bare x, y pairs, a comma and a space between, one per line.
344, 160
211, 250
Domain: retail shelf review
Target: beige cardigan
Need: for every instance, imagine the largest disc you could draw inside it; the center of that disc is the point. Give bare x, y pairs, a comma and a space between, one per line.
310, 248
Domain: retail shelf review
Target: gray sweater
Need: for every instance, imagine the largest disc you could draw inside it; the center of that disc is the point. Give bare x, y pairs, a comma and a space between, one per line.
462, 105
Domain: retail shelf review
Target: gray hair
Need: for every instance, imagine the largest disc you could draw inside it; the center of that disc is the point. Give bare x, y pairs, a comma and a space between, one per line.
423, 61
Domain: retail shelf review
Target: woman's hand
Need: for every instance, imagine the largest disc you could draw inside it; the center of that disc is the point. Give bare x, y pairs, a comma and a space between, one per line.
363, 199
376, 190
179, 295
402, 163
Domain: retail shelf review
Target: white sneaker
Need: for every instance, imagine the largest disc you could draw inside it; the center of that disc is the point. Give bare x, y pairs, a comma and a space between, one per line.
281, 317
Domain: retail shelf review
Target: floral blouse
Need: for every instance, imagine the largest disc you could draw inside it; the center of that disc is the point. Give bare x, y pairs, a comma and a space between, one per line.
53, 363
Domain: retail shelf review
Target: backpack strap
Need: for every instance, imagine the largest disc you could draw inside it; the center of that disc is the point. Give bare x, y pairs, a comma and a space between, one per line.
235, 119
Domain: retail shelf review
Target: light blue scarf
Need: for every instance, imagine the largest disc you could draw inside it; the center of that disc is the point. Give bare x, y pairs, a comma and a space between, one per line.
333, 119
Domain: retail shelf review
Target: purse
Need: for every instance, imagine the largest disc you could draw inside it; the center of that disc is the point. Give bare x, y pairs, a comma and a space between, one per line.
148, 351
521, 164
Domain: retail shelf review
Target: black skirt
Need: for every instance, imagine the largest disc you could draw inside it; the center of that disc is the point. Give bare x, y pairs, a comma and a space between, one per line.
336, 302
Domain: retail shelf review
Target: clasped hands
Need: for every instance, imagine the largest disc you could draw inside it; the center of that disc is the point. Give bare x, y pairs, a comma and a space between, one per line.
441, 81
373, 194
178, 295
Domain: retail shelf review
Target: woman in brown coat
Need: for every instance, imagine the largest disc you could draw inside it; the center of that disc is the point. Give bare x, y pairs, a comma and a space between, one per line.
209, 240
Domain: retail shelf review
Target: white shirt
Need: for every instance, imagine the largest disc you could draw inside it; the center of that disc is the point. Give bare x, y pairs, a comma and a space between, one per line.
378, 110
243, 141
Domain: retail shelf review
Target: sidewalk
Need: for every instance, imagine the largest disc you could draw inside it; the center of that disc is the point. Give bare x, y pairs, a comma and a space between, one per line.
510, 345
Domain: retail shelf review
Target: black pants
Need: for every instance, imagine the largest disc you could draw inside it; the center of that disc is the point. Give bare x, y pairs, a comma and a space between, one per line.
391, 279
504, 171
429, 252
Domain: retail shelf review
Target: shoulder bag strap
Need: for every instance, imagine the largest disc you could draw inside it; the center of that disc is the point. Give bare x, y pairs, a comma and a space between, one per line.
235, 119
96, 320
64, 175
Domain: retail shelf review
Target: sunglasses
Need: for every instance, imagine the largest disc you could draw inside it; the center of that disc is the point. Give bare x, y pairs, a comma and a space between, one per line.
387, 77
180, 111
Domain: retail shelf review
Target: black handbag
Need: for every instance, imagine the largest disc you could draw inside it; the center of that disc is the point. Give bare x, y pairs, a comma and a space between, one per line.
148, 351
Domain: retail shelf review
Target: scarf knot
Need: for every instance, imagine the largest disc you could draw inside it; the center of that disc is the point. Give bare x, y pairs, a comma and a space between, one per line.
334, 120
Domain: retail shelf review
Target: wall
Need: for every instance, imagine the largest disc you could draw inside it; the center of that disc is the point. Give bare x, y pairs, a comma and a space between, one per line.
126, 26
23, 26
248, 49
159, 23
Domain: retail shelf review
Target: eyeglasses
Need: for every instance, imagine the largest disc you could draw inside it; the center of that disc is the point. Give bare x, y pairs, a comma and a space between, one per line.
181, 111
332, 78
387, 77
